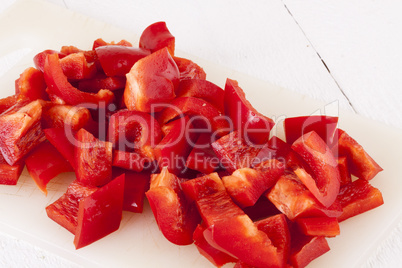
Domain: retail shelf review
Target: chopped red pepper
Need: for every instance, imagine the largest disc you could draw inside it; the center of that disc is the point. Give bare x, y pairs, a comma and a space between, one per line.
157, 36
189, 69
136, 184
58, 138
9, 175
202, 157
319, 226
31, 85
306, 249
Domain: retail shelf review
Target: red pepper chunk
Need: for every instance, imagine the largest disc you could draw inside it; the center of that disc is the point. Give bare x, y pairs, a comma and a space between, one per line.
59, 86
296, 127
93, 159
59, 139
44, 163
100, 213
157, 36
189, 69
319, 226
324, 182
254, 126
76, 67
31, 85
20, 131
151, 82
176, 217
135, 186
358, 197
9, 175
306, 249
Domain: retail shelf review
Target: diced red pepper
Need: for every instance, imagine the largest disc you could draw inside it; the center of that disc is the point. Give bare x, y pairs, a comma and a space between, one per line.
44, 163
133, 130
151, 82
9, 175
277, 229
203, 114
93, 159
345, 176
59, 86
7, 102
20, 131
359, 161
175, 147
131, 161
202, 156
100, 213
358, 197
234, 151
157, 36
203, 89
324, 126
293, 199
255, 127
76, 67
324, 182
100, 42
40, 58
246, 185
176, 216
31, 85
319, 226
101, 81
306, 249
215, 256
64, 210
189, 69
136, 184
117, 60
65, 116
58, 138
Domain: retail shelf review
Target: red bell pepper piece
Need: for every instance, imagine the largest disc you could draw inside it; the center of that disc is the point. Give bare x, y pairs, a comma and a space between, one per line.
20, 131
360, 162
100, 213
324, 126
202, 157
131, 161
215, 256
130, 130
175, 147
306, 249
324, 182
189, 69
40, 58
100, 42
234, 151
64, 116
93, 159
319, 226
151, 82
8, 102
9, 175
204, 115
202, 89
44, 163
345, 176
157, 36
117, 60
59, 86
101, 81
246, 185
136, 184
255, 127
176, 217
31, 85
277, 229
58, 138
358, 197
293, 199
76, 67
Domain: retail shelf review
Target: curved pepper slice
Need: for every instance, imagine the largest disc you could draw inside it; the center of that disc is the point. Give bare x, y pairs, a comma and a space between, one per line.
151, 82
59, 86
324, 182
189, 69
244, 116
157, 36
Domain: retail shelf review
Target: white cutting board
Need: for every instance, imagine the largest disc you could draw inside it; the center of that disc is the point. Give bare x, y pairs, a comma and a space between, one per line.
29, 27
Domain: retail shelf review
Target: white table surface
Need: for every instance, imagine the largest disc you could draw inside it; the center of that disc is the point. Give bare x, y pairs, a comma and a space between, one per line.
346, 50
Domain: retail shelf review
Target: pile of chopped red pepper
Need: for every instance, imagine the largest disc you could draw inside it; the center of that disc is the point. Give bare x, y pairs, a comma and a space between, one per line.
136, 122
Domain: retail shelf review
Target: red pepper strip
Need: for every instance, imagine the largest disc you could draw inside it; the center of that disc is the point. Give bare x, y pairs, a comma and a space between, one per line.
44, 163
135, 186
320, 226
59, 86
307, 249
9, 175
58, 138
